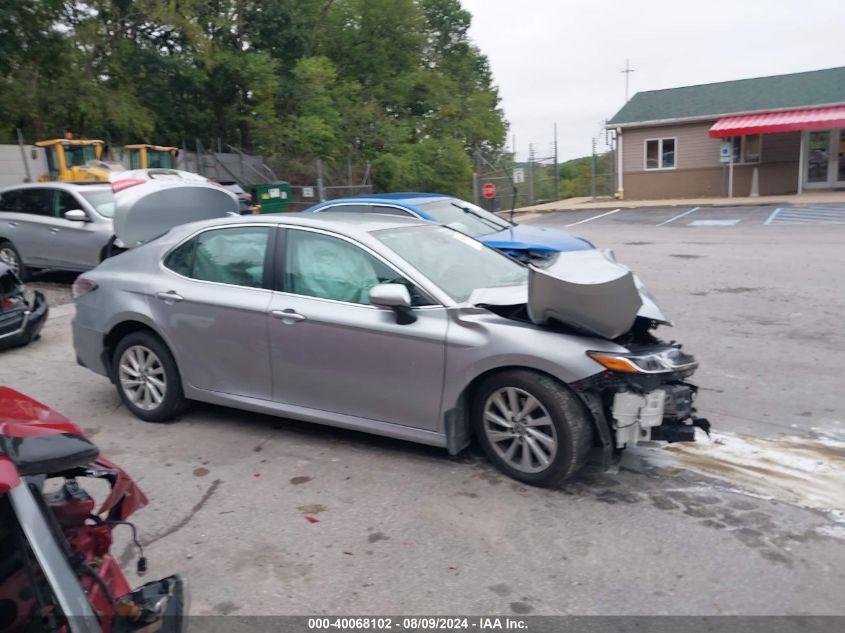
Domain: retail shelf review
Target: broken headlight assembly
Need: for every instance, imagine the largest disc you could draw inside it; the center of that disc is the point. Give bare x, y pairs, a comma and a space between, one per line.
662, 361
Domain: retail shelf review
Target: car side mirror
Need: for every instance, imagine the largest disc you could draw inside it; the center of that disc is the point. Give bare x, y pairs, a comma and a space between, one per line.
76, 215
397, 298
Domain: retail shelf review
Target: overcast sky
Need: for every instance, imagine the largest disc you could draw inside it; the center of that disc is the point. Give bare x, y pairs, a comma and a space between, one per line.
560, 61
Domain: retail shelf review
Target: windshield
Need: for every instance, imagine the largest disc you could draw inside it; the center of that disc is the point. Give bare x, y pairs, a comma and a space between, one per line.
102, 200
454, 262
463, 216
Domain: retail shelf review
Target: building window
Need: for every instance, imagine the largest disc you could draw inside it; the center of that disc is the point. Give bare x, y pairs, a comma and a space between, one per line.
660, 153
746, 149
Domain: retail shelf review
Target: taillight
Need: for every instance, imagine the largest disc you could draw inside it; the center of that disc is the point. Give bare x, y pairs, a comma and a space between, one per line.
82, 286
120, 185
215, 183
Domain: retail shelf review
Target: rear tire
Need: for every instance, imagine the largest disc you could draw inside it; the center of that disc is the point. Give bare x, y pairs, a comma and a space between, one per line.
10, 256
531, 427
147, 378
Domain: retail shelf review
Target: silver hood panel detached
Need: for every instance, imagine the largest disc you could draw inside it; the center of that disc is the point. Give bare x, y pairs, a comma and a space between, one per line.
587, 290
148, 210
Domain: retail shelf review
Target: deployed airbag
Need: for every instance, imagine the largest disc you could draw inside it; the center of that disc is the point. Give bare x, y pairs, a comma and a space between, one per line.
586, 290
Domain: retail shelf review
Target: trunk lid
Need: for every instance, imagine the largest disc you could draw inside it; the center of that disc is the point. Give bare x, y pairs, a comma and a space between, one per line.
150, 209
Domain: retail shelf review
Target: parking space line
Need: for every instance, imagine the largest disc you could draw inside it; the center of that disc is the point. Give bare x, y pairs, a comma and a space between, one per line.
732, 222
595, 217
680, 215
772, 216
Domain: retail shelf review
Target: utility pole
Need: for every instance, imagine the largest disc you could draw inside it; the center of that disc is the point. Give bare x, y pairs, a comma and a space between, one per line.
557, 171
627, 72
593, 170
531, 173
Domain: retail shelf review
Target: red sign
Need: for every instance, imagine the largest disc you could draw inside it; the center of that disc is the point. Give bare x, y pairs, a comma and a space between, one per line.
488, 190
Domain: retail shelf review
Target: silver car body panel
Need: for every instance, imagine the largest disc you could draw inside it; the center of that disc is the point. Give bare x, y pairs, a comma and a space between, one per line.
148, 210
51, 242
53, 561
584, 289
342, 364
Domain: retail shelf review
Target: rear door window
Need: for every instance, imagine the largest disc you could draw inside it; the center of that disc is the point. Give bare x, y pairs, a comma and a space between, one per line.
37, 202
10, 201
233, 256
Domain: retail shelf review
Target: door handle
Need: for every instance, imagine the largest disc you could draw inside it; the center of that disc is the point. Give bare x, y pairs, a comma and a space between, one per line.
170, 297
13, 224
287, 316
54, 229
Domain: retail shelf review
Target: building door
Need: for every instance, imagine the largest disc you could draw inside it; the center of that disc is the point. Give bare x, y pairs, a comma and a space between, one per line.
825, 162
840, 158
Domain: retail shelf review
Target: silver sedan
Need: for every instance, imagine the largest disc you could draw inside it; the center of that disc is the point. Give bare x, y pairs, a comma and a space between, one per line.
388, 325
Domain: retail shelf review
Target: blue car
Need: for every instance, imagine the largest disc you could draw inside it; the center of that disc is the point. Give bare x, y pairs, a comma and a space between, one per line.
526, 243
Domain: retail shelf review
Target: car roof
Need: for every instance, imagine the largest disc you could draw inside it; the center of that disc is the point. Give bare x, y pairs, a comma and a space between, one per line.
347, 223
67, 186
409, 201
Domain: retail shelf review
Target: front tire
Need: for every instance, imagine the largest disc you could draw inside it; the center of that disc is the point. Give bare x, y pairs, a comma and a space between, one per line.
10, 256
147, 378
531, 427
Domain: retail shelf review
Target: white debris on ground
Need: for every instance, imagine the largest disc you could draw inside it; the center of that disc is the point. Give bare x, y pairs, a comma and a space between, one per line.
796, 470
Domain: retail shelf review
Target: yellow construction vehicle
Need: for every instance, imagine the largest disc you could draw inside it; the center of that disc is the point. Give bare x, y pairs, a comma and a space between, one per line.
144, 156
74, 160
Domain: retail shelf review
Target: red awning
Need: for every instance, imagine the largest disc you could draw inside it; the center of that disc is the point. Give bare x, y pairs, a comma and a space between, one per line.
768, 122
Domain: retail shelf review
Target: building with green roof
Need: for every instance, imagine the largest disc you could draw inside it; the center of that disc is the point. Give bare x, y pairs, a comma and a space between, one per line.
765, 135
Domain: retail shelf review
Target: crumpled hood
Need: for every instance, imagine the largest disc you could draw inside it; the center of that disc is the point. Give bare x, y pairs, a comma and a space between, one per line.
587, 290
521, 237
148, 210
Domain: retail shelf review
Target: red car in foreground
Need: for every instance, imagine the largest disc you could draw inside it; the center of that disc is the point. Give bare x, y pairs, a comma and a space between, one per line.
56, 569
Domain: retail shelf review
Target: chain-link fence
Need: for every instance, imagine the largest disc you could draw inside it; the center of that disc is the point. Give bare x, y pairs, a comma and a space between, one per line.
500, 182
322, 180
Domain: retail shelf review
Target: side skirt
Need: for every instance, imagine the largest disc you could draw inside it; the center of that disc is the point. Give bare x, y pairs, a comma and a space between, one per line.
386, 429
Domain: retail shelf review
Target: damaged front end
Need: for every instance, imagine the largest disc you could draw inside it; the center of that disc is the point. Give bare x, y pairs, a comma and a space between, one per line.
642, 396
641, 390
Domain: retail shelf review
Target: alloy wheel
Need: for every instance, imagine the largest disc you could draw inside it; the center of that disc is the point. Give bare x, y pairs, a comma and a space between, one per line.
142, 377
9, 257
520, 429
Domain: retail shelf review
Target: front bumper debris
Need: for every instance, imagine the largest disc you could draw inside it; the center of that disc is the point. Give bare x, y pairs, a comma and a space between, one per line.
628, 410
664, 414
22, 327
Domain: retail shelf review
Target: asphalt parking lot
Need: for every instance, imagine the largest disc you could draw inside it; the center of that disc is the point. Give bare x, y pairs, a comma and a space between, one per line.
272, 516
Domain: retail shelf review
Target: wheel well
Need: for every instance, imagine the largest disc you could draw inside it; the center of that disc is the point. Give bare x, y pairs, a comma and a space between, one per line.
119, 331
458, 421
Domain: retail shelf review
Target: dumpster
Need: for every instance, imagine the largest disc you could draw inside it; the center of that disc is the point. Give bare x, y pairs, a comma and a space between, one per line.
271, 198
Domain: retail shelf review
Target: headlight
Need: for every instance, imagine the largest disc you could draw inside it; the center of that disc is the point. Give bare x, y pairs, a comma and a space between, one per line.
657, 362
